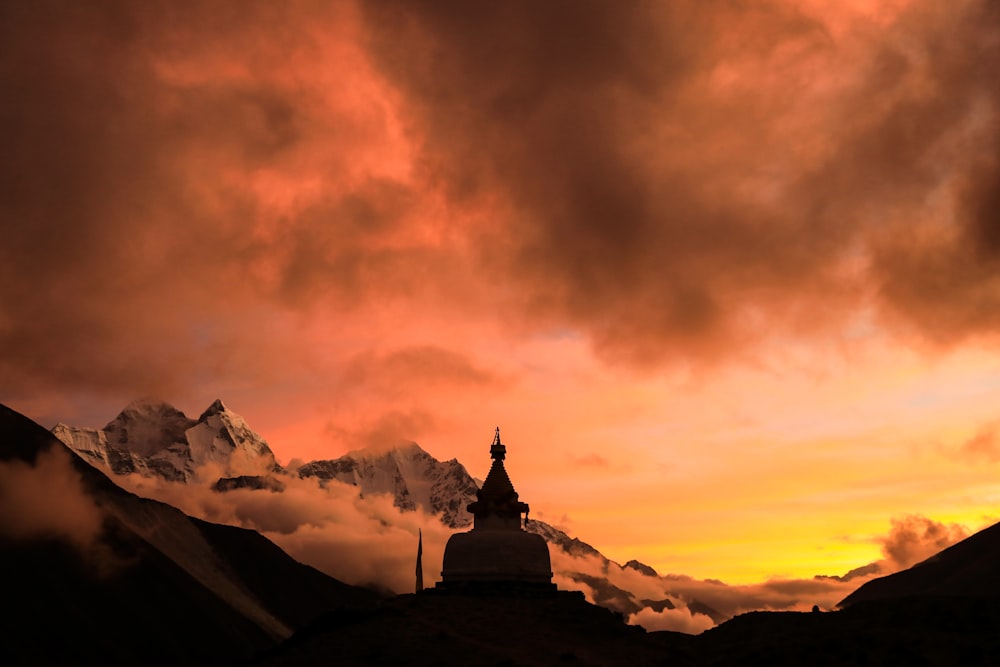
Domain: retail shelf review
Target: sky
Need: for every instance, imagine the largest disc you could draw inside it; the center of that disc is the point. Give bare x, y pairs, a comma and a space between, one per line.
726, 274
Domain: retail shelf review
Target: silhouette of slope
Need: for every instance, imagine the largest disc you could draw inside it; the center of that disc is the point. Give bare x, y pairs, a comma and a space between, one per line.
915, 631
263, 567
508, 630
966, 569
156, 586
60, 611
457, 629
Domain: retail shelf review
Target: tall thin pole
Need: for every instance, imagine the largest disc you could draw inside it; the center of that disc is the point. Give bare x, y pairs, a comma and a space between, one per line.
420, 564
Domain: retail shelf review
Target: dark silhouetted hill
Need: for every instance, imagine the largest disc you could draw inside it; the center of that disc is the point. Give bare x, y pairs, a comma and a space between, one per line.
456, 629
970, 568
453, 630
917, 631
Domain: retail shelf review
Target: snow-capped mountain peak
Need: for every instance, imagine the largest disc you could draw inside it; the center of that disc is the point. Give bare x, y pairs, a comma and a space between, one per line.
408, 473
216, 407
223, 437
147, 427
155, 439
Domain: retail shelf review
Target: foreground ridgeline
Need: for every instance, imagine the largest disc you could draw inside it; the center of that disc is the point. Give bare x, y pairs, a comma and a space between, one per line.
497, 553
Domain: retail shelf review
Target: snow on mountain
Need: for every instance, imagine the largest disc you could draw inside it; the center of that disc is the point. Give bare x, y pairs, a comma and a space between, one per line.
155, 439
410, 475
223, 437
571, 545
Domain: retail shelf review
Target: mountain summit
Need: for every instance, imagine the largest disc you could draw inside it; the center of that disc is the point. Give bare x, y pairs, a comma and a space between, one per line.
155, 439
410, 475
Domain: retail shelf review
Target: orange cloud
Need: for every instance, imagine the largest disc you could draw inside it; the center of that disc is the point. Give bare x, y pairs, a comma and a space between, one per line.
916, 538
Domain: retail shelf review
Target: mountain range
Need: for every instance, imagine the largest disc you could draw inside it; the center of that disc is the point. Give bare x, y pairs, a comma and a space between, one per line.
99, 575
154, 439
410, 475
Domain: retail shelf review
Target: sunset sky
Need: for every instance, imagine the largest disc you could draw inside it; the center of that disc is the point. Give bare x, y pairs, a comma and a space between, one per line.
726, 274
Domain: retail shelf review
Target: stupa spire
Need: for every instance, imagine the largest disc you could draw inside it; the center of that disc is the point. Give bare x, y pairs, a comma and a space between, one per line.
497, 451
497, 505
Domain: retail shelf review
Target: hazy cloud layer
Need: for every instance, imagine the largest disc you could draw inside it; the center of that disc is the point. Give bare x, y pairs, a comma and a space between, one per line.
689, 595
364, 541
911, 539
47, 500
675, 620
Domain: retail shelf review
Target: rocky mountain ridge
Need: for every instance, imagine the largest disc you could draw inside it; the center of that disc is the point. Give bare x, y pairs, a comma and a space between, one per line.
409, 474
155, 439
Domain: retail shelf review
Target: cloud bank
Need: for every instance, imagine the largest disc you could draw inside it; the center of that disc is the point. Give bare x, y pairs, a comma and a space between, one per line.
364, 541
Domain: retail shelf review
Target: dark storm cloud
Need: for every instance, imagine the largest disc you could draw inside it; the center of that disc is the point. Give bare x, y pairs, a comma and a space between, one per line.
134, 246
332, 247
548, 104
674, 179
946, 283
87, 180
676, 174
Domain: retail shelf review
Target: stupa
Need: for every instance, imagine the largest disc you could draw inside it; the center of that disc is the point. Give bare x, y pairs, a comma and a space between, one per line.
497, 554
